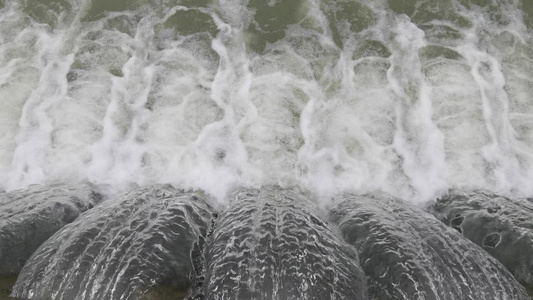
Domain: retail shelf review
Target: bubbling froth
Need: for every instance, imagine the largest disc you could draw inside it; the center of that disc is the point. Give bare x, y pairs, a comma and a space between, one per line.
411, 99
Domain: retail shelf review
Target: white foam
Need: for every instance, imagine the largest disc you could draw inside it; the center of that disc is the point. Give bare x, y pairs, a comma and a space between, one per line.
90, 102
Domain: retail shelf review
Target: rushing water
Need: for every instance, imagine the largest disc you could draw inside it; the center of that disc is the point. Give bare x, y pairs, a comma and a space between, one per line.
407, 97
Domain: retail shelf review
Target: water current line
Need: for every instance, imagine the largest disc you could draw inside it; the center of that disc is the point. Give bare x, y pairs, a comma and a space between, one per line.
501, 155
117, 157
417, 138
35, 138
219, 150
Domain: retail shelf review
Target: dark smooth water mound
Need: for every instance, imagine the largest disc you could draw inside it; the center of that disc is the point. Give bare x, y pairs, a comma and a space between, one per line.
408, 254
29, 217
501, 226
120, 248
272, 244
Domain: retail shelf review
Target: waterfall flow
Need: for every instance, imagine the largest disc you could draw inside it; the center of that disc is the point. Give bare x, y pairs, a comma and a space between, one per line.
409, 97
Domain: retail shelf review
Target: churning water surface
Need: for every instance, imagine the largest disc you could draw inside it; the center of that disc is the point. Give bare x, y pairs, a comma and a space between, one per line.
403, 96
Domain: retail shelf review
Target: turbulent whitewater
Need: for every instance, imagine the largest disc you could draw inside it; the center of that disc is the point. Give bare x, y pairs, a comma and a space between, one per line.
407, 97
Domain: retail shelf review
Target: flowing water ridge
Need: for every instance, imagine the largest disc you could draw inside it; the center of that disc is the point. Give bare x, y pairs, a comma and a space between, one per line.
408, 97
269, 243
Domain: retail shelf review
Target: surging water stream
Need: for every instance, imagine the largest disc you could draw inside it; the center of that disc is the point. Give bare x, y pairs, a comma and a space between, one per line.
408, 97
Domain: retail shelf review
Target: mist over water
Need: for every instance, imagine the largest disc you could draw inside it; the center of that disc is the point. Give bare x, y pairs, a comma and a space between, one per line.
408, 97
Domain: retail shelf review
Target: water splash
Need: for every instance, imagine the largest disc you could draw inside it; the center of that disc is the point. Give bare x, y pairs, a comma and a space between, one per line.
411, 99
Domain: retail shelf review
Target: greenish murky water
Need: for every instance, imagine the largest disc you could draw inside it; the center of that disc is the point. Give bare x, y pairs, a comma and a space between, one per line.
6, 283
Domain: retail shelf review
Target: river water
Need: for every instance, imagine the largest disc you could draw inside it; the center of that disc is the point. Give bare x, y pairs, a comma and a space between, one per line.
408, 97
